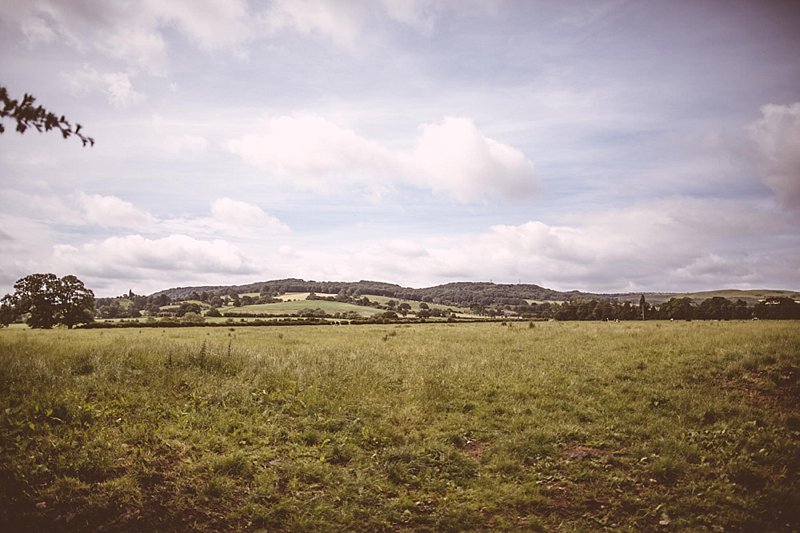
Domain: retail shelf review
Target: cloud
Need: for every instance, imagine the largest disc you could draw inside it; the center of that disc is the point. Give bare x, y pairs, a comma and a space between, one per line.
110, 211
777, 136
342, 24
242, 216
451, 157
36, 30
676, 243
232, 219
116, 86
669, 244
124, 31
79, 209
24, 246
137, 257
137, 33
229, 218
45, 208
133, 31
141, 48
163, 251
311, 147
213, 25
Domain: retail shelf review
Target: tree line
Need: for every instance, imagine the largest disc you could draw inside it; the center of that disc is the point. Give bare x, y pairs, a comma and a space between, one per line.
45, 300
684, 308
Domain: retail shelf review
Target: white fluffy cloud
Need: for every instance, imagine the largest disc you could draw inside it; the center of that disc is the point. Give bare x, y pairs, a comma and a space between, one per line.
313, 149
136, 257
116, 86
672, 244
110, 211
229, 218
79, 209
160, 252
660, 244
242, 216
777, 136
451, 157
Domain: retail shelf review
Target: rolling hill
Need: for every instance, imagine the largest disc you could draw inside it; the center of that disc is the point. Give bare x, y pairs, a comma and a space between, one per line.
463, 294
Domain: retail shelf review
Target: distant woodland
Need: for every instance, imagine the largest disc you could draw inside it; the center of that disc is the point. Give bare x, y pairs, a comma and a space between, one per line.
485, 299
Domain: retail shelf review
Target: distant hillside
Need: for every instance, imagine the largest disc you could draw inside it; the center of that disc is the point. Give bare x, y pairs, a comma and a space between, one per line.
459, 293
281, 286
749, 296
463, 294
483, 293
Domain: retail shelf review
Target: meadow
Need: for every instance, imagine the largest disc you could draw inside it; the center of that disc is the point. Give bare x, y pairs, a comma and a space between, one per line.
557, 426
296, 306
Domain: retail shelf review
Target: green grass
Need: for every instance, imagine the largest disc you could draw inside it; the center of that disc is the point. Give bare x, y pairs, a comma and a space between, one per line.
690, 426
415, 304
292, 307
301, 295
750, 296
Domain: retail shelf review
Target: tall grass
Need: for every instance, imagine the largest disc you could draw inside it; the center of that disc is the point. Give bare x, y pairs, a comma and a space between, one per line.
560, 426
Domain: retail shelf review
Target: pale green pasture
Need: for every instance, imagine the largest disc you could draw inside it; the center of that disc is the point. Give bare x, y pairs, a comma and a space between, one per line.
415, 304
291, 307
301, 295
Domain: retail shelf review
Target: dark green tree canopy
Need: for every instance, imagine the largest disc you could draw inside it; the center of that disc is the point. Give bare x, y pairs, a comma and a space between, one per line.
46, 300
188, 307
26, 116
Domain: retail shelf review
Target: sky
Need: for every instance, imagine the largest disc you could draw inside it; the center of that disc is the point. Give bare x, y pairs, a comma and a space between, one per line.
608, 146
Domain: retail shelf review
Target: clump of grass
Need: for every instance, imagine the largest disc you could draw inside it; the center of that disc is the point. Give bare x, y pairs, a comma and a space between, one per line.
83, 365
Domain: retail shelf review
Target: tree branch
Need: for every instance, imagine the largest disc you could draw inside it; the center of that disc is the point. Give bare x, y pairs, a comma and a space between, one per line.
27, 115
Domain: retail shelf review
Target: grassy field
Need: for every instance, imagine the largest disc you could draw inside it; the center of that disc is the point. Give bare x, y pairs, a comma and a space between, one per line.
415, 304
295, 306
689, 426
750, 296
301, 295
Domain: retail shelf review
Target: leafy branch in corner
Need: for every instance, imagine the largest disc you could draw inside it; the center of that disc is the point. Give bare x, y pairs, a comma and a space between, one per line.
27, 115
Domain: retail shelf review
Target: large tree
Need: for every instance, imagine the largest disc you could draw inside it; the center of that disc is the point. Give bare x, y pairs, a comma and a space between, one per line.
46, 300
679, 309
